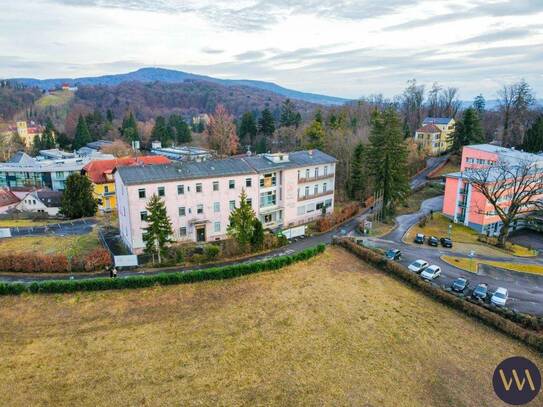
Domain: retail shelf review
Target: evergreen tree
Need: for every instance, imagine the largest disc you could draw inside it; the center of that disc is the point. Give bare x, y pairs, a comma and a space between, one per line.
63, 141
47, 139
162, 132
180, 129
289, 115
479, 104
77, 200
109, 115
129, 129
266, 123
314, 135
247, 130
533, 141
82, 134
261, 145
318, 117
158, 232
257, 238
467, 131
242, 221
387, 159
358, 181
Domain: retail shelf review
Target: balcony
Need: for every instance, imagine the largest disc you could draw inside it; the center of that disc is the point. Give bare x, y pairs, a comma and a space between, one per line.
306, 197
108, 193
301, 180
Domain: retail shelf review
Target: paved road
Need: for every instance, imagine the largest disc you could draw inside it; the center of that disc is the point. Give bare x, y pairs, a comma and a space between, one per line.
432, 163
75, 227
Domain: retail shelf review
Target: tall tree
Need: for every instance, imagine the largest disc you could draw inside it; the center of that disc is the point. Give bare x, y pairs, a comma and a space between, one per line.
467, 131
158, 232
479, 104
266, 123
433, 100
242, 221
314, 135
129, 128
77, 200
247, 130
522, 103
449, 102
533, 141
387, 159
289, 115
412, 105
221, 132
180, 129
359, 176
162, 132
82, 134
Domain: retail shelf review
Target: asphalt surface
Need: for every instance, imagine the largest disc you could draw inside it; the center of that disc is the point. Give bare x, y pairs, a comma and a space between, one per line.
75, 227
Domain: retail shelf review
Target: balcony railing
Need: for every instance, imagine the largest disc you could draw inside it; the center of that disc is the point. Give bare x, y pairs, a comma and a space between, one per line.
306, 197
110, 193
317, 178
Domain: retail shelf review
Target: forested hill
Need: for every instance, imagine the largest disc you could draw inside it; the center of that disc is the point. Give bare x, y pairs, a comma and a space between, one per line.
147, 75
148, 100
15, 99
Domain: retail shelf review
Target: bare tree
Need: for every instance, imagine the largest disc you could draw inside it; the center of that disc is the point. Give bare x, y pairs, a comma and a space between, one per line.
221, 132
412, 105
511, 189
516, 101
449, 104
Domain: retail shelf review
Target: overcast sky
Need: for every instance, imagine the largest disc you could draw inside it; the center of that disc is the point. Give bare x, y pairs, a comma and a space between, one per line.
336, 47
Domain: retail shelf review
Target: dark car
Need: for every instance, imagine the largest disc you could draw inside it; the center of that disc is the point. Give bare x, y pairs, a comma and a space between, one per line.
432, 241
393, 254
480, 292
419, 238
446, 242
460, 284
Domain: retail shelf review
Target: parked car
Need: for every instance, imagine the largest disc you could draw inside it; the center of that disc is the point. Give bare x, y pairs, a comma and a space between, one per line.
393, 254
418, 266
480, 292
419, 238
446, 242
460, 284
432, 241
431, 272
500, 297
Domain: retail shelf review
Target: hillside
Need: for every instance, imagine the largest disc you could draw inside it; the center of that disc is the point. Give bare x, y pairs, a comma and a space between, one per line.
14, 100
148, 100
146, 75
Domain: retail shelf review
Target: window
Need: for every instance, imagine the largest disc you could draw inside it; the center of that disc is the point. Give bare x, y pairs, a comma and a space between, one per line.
250, 201
306, 191
248, 182
231, 184
106, 189
324, 187
232, 205
215, 185
217, 226
320, 205
199, 187
160, 191
316, 172
267, 199
141, 193
328, 203
143, 215
315, 190
182, 211
180, 189
216, 207
325, 170
301, 210
310, 208
183, 231
307, 173
59, 174
268, 218
199, 209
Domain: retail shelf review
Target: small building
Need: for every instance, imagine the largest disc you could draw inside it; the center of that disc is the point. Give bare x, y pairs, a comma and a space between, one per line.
41, 201
185, 153
55, 154
434, 135
8, 200
101, 174
201, 118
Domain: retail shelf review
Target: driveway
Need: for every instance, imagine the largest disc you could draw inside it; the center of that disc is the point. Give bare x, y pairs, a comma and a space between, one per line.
431, 164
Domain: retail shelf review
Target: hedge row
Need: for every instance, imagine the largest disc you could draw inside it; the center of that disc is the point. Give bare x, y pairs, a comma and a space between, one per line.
329, 221
217, 273
499, 320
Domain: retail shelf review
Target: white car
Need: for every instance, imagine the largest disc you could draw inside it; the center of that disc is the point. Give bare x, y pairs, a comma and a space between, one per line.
500, 297
418, 266
431, 272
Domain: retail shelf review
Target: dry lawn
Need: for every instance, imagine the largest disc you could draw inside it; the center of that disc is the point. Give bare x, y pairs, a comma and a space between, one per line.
472, 266
330, 331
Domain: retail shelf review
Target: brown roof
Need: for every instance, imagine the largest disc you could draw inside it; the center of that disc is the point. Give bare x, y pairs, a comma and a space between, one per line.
96, 170
7, 197
429, 128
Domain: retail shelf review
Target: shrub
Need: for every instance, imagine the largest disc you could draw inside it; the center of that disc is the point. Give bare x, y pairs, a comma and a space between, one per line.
34, 263
329, 221
211, 251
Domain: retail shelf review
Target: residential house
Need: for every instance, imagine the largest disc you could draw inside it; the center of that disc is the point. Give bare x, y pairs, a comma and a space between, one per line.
41, 201
8, 200
434, 135
465, 204
284, 189
101, 174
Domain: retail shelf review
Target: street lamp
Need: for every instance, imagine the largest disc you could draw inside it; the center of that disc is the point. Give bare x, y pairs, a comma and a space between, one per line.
471, 256
450, 231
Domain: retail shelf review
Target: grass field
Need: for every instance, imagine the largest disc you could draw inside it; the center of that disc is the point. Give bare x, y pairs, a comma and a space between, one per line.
415, 199
472, 266
69, 245
330, 331
55, 98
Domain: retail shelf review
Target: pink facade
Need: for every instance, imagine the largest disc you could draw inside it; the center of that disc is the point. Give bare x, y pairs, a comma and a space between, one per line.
283, 193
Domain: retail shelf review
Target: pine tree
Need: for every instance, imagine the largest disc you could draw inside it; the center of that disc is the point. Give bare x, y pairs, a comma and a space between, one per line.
109, 115
533, 141
479, 104
247, 130
314, 135
266, 123
162, 132
48, 135
129, 129
158, 232
467, 131
257, 238
77, 200
242, 221
358, 181
387, 159
82, 134
289, 115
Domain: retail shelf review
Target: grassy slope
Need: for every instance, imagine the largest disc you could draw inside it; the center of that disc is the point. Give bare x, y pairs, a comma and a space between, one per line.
327, 332
416, 198
56, 98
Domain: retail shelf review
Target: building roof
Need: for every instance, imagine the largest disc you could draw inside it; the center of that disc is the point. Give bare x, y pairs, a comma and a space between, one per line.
22, 162
437, 120
98, 144
96, 170
508, 154
7, 197
21, 158
429, 128
49, 198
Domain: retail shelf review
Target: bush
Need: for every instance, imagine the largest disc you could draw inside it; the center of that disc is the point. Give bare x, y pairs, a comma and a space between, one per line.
514, 324
329, 221
211, 251
216, 273
34, 263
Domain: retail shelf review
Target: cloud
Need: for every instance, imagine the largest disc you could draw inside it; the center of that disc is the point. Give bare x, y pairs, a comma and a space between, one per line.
497, 36
212, 51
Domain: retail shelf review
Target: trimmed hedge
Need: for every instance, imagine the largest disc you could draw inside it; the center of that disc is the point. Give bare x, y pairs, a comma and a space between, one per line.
504, 320
103, 283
